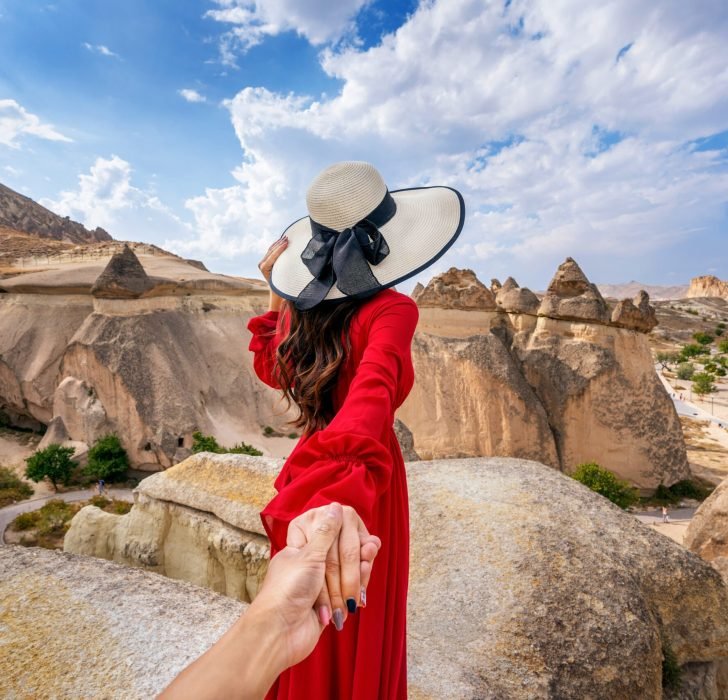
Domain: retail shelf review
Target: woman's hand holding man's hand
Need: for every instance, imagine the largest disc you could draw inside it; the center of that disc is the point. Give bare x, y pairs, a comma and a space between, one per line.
348, 563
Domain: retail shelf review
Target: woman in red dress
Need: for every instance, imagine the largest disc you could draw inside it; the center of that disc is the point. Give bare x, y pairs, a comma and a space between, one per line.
336, 341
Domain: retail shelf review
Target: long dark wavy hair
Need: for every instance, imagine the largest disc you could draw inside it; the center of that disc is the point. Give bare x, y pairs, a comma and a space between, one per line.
309, 358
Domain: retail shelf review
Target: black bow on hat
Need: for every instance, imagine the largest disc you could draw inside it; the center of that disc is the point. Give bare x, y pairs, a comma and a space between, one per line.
343, 257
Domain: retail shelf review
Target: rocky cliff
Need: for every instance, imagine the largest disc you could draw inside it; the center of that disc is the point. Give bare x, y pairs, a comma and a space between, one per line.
561, 380
23, 214
153, 348
708, 286
150, 347
548, 590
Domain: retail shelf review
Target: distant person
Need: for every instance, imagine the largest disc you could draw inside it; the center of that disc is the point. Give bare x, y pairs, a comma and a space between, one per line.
101, 487
336, 341
665, 516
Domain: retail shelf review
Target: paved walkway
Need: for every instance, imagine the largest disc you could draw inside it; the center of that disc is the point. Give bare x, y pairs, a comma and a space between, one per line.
9, 513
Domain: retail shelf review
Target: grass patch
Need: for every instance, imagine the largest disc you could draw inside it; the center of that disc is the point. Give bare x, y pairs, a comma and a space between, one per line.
671, 671
12, 488
208, 443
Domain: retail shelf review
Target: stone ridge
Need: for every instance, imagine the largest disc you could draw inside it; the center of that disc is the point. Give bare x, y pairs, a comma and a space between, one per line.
455, 289
23, 214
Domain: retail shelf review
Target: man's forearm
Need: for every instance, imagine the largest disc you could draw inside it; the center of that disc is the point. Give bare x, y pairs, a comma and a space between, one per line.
242, 665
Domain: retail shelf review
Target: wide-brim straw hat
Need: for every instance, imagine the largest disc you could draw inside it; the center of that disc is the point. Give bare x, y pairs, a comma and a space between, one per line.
370, 237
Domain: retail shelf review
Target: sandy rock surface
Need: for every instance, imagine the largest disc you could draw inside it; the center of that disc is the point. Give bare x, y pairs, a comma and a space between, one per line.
77, 627
526, 585
708, 286
707, 534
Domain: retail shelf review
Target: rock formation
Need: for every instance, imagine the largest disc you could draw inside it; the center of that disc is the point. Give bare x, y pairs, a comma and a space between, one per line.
455, 289
122, 278
152, 369
707, 534
532, 386
23, 214
636, 314
552, 592
708, 286
571, 297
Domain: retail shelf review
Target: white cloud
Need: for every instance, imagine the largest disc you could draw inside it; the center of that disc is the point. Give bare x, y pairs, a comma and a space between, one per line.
100, 49
16, 121
12, 171
319, 21
567, 125
107, 198
191, 95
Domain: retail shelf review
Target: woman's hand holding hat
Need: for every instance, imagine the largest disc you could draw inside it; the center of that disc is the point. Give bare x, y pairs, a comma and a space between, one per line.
266, 266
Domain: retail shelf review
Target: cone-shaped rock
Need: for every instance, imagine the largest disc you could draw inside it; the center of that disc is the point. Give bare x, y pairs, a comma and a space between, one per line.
123, 277
571, 296
517, 299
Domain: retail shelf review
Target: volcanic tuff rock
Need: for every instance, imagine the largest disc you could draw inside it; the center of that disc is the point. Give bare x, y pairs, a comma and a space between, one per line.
560, 391
566, 595
570, 296
23, 214
708, 286
455, 289
636, 314
122, 278
707, 534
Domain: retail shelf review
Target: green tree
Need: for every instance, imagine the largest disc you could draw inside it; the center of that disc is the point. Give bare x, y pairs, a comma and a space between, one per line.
703, 384
703, 338
685, 370
606, 484
107, 459
208, 443
665, 359
689, 351
53, 463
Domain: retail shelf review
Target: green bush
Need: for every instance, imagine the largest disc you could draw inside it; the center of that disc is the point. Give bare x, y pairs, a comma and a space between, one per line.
723, 346
703, 338
120, 507
12, 488
685, 370
99, 501
54, 516
689, 351
25, 521
703, 384
107, 459
720, 372
53, 463
207, 443
689, 489
606, 484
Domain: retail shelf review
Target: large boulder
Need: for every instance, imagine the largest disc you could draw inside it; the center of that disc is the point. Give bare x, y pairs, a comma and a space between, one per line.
547, 590
636, 314
707, 533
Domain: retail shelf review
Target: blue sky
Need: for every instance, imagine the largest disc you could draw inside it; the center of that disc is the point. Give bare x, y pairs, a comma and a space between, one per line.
578, 128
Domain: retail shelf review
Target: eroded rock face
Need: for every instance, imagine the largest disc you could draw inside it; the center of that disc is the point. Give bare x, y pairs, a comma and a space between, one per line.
406, 441
708, 286
707, 534
470, 398
554, 592
637, 314
196, 522
455, 289
560, 391
570, 296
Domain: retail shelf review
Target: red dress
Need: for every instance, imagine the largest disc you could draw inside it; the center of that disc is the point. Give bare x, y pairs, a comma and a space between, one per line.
355, 460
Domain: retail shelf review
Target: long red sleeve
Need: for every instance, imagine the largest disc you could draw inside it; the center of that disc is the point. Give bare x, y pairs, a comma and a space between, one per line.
263, 344
350, 461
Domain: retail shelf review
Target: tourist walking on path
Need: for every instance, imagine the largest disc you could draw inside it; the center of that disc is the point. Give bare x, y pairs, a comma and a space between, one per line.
665, 516
336, 340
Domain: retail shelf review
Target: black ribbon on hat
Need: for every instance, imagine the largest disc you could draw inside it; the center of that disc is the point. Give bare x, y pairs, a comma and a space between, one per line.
343, 257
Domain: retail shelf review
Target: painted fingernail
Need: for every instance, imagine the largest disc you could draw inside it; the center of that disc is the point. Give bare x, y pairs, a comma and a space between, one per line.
339, 619
324, 615
351, 605
363, 597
